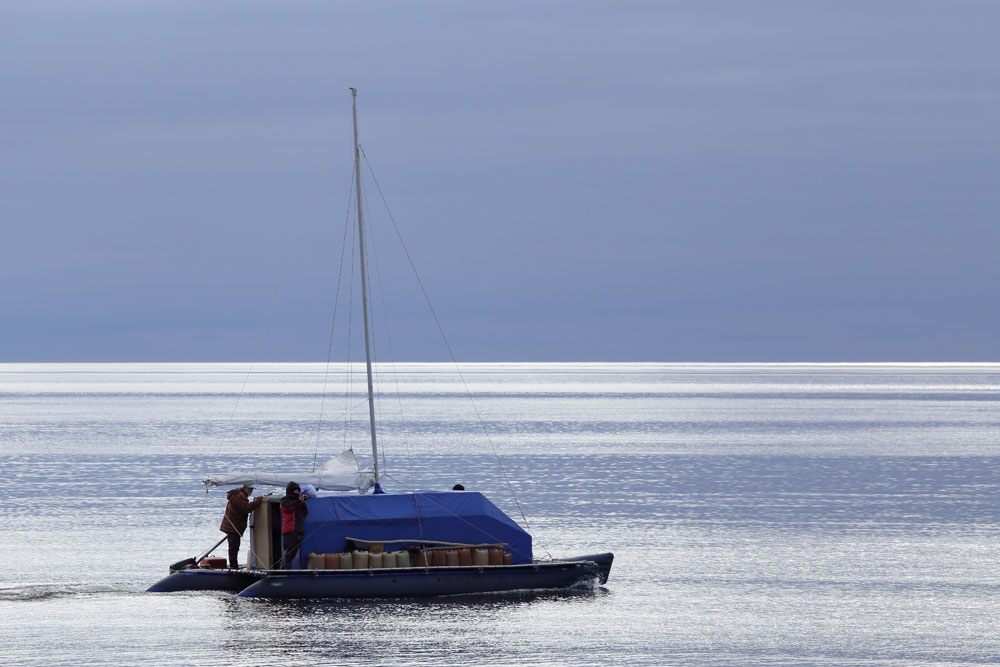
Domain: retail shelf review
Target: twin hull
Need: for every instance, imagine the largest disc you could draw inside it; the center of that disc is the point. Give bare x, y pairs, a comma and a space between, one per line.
409, 582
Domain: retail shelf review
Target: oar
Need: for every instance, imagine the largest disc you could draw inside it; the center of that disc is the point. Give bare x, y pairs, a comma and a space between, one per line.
187, 562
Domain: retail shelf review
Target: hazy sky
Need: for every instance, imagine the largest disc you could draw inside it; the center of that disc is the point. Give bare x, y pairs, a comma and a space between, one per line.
668, 181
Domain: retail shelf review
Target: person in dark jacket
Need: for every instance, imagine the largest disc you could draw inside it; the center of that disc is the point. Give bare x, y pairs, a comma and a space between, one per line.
234, 523
293, 511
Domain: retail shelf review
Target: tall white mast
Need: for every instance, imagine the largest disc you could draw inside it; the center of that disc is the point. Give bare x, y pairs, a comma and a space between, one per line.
364, 286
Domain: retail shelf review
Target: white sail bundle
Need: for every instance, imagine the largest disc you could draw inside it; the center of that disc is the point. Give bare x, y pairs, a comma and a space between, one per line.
339, 473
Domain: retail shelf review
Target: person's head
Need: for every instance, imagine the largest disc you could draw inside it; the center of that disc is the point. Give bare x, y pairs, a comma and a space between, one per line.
247, 489
292, 489
458, 487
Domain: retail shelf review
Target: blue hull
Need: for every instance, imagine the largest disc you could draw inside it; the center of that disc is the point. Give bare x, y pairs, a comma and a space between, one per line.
422, 582
402, 582
232, 581
603, 562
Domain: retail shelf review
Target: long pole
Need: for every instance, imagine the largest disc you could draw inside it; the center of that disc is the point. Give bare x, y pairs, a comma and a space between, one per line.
364, 287
198, 559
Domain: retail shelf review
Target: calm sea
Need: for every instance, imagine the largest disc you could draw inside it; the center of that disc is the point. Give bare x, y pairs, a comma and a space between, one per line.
759, 514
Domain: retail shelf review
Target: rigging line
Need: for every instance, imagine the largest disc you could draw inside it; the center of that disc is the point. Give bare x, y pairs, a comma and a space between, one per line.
349, 371
357, 406
451, 353
333, 325
392, 356
371, 351
195, 527
253, 361
413, 490
246, 378
376, 379
392, 361
373, 248
385, 321
461, 518
348, 499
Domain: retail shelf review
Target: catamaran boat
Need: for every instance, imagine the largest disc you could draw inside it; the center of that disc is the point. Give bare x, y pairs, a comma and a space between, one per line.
361, 541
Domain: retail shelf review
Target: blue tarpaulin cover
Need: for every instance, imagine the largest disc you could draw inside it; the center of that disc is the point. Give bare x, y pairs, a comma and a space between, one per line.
465, 517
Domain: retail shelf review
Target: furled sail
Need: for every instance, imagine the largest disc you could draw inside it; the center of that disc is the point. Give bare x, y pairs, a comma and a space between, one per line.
340, 473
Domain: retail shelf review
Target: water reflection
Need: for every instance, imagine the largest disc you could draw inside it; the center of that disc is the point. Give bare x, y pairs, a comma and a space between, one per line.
423, 630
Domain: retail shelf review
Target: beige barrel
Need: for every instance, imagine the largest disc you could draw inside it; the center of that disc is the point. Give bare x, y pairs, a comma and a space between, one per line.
451, 558
496, 556
389, 559
316, 561
375, 559
403, 559
359, 560
438, 558
480, 557
346, 562
465, 556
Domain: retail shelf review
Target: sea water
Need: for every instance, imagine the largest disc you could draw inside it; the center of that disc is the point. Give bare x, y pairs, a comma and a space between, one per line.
759, 514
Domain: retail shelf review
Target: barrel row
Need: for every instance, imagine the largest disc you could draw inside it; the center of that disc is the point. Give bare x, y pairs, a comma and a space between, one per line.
364, 560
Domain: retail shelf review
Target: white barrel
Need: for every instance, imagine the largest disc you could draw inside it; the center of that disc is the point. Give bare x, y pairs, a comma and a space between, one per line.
480, 557
316, 561
375, 560
402, 559
389, 559
359, 560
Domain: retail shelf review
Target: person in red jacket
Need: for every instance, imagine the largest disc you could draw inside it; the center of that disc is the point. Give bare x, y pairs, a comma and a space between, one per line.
293, 511
234, 523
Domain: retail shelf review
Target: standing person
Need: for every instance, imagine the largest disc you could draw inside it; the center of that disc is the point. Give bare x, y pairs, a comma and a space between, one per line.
293, 511
234, 523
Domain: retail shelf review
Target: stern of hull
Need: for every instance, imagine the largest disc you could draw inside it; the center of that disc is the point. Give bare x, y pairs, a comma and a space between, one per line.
232, 581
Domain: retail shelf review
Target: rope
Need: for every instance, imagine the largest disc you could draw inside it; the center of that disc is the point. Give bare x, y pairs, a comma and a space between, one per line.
392, 360
333, 325
349, 375
239, 398
376, 378
464, 520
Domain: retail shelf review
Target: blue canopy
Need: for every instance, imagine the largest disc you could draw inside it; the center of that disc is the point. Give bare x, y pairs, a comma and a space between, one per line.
464, 517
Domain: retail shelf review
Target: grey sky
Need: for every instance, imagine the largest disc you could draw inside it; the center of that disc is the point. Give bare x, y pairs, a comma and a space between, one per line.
714, 181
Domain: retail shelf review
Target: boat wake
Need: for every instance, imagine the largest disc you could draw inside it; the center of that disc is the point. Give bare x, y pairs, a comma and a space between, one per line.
590, 585
32, 592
